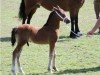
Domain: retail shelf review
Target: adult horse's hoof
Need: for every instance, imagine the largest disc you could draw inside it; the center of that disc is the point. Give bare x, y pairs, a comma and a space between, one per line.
72, 35
79, 34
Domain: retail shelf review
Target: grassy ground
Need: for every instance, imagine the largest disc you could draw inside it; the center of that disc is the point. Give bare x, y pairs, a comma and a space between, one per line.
74, 56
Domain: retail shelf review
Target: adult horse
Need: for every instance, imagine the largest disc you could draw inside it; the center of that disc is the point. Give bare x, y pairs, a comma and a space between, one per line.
29, 7
48, 34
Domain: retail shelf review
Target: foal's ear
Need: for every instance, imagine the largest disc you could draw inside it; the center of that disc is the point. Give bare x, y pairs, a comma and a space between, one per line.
58, 7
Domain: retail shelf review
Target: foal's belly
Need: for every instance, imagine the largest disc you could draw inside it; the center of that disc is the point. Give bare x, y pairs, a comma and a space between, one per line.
41, 39
44, 37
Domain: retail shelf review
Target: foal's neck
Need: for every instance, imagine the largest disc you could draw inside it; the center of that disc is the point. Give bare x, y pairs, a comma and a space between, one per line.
53, 21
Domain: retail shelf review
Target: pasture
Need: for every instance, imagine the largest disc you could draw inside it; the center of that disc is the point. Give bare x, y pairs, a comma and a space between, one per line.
79, 56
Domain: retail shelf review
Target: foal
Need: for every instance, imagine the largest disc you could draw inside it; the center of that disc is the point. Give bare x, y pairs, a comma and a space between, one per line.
48, 34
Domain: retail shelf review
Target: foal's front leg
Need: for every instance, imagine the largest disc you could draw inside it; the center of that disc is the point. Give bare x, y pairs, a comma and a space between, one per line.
51, 64
54, 64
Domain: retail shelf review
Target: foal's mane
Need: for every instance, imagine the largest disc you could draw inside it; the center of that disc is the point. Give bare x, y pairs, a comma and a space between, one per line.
51, 15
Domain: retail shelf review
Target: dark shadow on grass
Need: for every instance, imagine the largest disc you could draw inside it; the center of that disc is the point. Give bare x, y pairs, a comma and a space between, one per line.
84, 70
45, 73
5, 39
64, 38
72, 71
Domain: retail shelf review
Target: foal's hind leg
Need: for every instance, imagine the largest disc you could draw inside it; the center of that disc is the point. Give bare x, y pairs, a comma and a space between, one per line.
18, 62
14, 60
18, 56
15, 56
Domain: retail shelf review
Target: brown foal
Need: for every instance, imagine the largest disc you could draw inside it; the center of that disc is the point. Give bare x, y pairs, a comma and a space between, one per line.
48, 34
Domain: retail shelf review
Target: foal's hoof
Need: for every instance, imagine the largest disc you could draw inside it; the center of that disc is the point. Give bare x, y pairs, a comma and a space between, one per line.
50, 71
55, 69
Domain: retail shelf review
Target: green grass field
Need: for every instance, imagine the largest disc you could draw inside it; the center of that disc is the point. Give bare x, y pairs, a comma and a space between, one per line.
79, 56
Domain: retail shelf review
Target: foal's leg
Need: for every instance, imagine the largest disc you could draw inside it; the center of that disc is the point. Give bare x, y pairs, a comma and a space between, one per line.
13, 62
16, 57
51, 57
15, 53
18, 62
54, 64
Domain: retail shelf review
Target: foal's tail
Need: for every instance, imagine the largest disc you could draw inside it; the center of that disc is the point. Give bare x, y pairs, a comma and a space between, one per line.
22, 10
13, 37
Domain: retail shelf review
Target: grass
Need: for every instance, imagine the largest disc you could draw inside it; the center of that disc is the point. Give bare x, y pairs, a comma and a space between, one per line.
74, 56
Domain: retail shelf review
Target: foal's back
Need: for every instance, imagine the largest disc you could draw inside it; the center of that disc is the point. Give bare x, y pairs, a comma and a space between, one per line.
36, 34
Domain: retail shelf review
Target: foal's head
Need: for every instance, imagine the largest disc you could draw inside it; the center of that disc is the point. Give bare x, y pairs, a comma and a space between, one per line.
60, 14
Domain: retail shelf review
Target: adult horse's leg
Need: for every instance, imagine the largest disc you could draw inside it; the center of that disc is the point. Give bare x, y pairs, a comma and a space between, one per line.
97, 10
51, 57
30, 15
77, 31
72, 33
22, 14
24, 19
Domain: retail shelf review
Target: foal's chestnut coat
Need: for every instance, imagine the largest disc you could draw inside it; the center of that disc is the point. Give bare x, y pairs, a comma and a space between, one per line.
48, 34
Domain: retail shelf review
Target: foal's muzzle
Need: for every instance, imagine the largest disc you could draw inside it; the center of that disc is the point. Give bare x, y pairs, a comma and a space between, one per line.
66, 20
